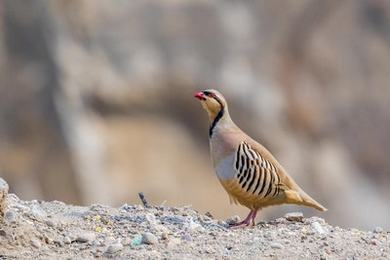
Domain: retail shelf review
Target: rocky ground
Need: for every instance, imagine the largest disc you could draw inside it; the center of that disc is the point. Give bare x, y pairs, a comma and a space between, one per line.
54, 230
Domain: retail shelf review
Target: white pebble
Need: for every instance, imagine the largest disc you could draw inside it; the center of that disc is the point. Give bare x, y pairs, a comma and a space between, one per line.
149, 238
317, 228
112, 249
36, 243
276, 246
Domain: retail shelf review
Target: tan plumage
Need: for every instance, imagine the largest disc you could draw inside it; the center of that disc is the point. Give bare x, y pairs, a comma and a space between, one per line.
247, 170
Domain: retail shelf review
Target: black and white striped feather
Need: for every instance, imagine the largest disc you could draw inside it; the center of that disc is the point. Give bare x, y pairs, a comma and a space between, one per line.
256, 175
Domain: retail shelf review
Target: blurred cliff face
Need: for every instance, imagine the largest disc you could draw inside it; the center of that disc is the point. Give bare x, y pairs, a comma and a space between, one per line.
96, 99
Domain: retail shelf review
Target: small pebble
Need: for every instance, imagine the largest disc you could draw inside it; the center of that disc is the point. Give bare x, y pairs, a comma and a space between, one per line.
67, 240
149, 238
50, 223
59, 242
48, 240
37, 212
164, 236
151, 219
85, 237
10, 216
233, 220
221, 222
294, 216
276, 246
374, 242
36, 243
208, 214
136, 241
315, 219
317, 228
116, 247
193, 226
378, 230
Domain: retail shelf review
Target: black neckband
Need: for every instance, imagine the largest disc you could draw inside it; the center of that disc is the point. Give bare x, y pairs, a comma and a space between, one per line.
217, 118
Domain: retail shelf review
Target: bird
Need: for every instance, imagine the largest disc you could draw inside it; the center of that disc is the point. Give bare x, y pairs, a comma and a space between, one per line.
248, 172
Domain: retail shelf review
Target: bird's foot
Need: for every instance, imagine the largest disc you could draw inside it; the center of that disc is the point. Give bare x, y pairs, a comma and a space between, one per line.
241, 224
248, 221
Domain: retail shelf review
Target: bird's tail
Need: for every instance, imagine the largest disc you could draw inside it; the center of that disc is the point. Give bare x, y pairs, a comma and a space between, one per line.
302, 198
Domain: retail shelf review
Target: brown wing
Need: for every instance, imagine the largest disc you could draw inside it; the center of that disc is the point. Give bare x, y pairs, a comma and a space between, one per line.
291, 192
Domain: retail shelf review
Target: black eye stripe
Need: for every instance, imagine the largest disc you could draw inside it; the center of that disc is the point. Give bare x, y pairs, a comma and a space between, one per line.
211, 94
207, 93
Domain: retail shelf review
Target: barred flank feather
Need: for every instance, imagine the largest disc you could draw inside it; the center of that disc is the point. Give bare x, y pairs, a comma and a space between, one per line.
255, 174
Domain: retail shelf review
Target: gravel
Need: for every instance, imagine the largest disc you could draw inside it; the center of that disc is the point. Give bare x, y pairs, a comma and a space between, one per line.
58, 231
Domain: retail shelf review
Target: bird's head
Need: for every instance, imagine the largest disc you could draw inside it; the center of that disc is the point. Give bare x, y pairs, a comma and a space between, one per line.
212, 101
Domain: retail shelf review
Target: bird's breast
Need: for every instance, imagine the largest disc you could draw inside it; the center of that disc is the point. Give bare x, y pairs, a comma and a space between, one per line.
224, 168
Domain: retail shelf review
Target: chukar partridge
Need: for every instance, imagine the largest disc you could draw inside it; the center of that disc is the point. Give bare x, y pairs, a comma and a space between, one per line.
247, 170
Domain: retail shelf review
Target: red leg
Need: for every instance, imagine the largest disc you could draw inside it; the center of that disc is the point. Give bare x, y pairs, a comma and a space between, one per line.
247, 221
254, 217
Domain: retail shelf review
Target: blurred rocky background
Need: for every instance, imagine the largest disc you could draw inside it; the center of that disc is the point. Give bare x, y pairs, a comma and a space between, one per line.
96, 99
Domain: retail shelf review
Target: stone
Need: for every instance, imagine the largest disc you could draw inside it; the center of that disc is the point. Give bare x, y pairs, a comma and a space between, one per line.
208, 214
10, 216
85, 237
137, 240
294, 216
191, 225
67, 240
378, 230
59, 242
233, 220
221, 222
47, 239
37, 212
50, 223
151, 219
3, 194
35, 243
276, 246
315, 219
114, 248
317, 228
149, 238
164, 236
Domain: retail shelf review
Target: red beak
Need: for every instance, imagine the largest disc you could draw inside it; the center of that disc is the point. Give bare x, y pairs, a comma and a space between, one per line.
200, 95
